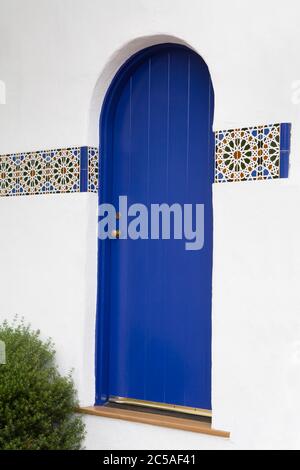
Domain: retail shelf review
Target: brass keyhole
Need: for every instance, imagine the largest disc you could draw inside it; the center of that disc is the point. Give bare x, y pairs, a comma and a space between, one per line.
116, 233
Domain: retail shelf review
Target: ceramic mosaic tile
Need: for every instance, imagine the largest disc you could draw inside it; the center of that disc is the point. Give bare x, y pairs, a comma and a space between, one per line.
8, 177
254, 153
48, 171
64, 170
248, 154
93, 169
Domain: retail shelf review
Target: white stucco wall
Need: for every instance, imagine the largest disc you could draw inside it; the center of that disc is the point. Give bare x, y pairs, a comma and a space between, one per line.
48, 275
57, 58
53, 53
256, 313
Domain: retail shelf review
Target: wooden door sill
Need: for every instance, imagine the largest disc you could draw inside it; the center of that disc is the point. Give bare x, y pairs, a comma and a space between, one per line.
202, 426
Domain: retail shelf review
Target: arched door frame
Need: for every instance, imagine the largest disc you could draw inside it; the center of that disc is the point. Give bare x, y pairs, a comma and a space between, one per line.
105, 179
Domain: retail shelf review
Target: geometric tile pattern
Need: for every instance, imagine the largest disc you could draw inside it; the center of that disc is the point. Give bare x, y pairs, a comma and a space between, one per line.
247, 154
253, 153
64, 170
45, 172
93, 170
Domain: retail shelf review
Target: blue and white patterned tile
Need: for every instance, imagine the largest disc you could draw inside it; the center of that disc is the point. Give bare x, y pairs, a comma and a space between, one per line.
41, 172
247, 154
31, 174
63, 171
93, 169
7, 176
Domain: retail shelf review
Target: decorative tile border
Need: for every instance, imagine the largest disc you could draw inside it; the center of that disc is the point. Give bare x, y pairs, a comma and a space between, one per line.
69, 170
254, 153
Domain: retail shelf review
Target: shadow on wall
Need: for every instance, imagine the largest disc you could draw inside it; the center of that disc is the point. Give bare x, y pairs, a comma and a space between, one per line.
110, 70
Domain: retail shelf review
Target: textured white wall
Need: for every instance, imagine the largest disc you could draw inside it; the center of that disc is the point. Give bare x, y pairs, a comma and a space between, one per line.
256, 313
57, 58
53, 52
47, 273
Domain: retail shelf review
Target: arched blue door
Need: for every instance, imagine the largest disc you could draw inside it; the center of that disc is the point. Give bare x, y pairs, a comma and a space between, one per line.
154, 305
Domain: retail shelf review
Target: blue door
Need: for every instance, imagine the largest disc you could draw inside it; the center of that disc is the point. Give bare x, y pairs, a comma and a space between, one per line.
154, 306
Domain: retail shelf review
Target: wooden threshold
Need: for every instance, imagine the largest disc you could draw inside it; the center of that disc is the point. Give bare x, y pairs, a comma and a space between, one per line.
155, 419
164, 407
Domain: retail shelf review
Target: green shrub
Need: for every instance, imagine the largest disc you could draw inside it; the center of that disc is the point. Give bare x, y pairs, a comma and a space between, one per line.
36, 403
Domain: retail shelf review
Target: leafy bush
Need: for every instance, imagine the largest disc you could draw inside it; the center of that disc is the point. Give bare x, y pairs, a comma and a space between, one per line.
36, 403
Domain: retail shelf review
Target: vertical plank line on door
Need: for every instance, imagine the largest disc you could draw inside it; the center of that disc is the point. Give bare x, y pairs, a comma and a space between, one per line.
188, 120
187, 170
164, 254
148, 245
148, 130
130, 133
168, 124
